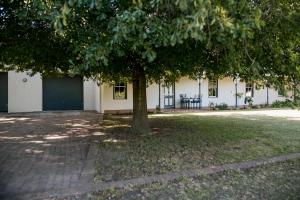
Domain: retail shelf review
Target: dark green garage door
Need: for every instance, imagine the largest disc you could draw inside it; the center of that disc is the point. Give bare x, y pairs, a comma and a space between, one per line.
3, 91
63, 93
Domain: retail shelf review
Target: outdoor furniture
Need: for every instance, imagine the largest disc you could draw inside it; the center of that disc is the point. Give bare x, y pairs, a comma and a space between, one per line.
189, 103
184, 102
195, 103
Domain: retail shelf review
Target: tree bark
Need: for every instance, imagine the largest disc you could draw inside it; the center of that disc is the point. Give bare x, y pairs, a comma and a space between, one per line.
140, 124
295, 92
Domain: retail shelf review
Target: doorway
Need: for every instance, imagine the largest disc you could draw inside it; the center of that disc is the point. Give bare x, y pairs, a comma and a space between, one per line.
169, 95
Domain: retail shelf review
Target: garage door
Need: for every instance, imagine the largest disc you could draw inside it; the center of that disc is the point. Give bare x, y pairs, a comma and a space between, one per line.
63, 93
3, 91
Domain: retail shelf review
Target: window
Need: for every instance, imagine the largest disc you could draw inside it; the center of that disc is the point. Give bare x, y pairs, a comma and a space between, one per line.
213, 88
249, 90
281, 91
120, 91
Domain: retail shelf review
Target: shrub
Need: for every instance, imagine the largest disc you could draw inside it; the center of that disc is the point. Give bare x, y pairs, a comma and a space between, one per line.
211, 106
222, 106
285, 104
249, 100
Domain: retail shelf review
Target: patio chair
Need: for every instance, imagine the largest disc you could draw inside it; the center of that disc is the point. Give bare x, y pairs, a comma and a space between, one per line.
184, 102
196, 102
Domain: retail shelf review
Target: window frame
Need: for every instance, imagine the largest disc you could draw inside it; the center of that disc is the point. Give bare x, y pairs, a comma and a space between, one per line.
252, 89
216, 88
119, 86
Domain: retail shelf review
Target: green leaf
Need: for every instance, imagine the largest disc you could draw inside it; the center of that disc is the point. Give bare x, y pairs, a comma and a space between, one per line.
182, 4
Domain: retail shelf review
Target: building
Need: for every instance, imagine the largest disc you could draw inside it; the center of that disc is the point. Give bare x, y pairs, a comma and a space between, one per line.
22, 93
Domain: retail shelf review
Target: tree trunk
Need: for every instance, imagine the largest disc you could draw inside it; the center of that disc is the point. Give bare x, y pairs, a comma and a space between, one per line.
140, 124
295, 92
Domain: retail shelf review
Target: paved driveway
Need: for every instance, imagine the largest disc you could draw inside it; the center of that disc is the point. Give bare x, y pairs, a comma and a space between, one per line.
45, 155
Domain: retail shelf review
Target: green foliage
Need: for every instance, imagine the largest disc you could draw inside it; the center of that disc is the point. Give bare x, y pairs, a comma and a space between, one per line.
222, 106
28, 42
107, 39
239, 94
111, 40
285, 104
276, 45
249, 101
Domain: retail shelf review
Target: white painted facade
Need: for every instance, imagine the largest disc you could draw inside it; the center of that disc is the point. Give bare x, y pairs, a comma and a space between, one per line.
25, 94
91, 95
108, 103
226, 92
190, 88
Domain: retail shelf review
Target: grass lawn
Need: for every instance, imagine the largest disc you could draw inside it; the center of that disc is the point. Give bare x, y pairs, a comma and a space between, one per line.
187, 142
278, 181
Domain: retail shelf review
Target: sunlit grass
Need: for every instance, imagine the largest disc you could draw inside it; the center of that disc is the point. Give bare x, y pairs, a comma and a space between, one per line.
181, 142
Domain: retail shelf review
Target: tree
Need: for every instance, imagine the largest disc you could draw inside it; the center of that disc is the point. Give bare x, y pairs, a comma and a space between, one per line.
276, 47
139, 41
28, 42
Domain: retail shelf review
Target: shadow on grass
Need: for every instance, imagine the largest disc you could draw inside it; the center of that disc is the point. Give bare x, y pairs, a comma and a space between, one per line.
188, 142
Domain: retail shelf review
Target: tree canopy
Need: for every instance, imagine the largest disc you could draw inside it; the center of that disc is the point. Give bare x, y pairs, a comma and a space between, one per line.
150, 40
166, 37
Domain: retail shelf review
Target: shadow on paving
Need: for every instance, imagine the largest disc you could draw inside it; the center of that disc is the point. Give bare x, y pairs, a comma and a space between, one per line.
46, 155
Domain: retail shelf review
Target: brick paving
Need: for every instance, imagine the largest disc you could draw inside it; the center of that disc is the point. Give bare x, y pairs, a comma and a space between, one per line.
47, 155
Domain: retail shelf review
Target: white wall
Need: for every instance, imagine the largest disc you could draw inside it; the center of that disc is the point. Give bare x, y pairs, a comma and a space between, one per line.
108, 103
226, 92
263, 93
24, 96
273, 96
89, 96
152, 96
187, 87
28, 96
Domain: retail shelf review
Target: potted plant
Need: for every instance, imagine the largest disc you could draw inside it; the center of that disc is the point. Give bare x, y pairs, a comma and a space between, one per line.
211, 106
249, 101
